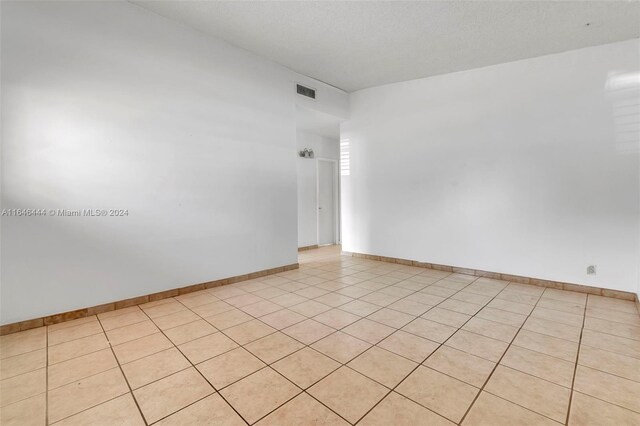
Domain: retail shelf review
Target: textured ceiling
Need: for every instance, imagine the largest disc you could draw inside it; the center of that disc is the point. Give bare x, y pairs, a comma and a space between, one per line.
354, 45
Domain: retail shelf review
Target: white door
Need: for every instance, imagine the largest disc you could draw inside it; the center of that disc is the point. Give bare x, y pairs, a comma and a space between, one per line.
326, 202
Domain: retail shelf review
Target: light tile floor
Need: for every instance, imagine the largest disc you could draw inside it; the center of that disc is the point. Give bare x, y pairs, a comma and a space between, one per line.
341, 340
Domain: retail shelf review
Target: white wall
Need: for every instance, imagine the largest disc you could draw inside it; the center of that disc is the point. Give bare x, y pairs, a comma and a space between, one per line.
528, 168
106, 105
323, 147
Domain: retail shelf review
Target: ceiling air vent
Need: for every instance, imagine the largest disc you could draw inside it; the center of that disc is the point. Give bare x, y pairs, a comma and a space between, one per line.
305, 91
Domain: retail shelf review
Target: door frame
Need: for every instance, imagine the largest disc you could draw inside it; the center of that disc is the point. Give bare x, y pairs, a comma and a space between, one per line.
336, 200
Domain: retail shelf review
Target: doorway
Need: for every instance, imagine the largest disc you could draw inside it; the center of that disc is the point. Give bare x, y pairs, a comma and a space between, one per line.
327, 201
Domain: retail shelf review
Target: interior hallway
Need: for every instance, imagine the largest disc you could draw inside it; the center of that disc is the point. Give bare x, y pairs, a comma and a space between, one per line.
341, 340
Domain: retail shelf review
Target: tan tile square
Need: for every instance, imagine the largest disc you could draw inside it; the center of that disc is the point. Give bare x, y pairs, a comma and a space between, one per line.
22, 342
249, 331
302, 410
229, 367
336, 318
586, 410
168, 395
188, 332
553, 329
540, 365
23, 386
379, 298
211, 309
333, 299
471, 298
341, 346
610, 327
119, 411
438, 291
153, 367
142, 347
410, 307
261, 308
560, 305
23, 363
73, 333
310, 308
610, 362
249, 398
228, 319
117, 321
311, 292
78, 368
243, 300
199, 298
75, 348
305, 367
288, 299
397, 410
446, 317
28, 412
282, 319
174, 320
513, 307
553, 346
212, 411
611, 343
530, 392
207, 347
518, 297
478, 345
427, 299
607, 387
495, 330
430, 330
391, 318
612, 304
383, 366
360, 308
368, 330
273, 347
308, 331
440, 393
460, 306
504, 317
621, 317
86, 393
270, 293
558, 316
131, 332
461, 365
409, 345
494, 411
72, 323
354, 292
162, 309
337, 390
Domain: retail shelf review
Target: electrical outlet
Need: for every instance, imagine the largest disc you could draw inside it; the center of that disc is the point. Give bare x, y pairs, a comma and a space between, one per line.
591, 270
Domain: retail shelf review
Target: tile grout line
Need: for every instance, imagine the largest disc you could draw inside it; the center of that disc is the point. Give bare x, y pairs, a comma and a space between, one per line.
265, 366
122, 372
194, 367
337, 307
428, 356
498, 363
575, 369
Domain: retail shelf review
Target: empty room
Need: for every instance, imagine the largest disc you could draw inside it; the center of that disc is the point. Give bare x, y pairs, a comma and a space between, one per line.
298, 213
